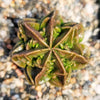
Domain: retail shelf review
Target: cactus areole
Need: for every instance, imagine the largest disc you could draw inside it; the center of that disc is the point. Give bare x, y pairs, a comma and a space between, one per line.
50, 49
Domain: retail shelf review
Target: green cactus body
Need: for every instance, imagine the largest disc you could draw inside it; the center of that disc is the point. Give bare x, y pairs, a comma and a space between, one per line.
49, 49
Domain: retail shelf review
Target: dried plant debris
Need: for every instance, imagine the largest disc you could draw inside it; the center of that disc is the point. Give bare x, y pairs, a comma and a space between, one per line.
50, 49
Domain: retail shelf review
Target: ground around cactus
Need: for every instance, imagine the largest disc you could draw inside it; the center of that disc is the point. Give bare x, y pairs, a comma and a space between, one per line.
84, 84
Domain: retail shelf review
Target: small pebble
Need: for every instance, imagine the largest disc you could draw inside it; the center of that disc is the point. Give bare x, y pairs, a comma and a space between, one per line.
39, 94
73, 80
1, 51
97, 45
18, 72
59, 93
85, 92
97, 89
59, 98
51, 96
38, 88
97, 97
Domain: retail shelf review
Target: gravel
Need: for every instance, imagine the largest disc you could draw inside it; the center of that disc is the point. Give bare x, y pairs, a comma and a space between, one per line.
85, 83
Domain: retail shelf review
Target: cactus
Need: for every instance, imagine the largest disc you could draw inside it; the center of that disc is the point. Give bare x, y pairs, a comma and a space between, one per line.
50, 49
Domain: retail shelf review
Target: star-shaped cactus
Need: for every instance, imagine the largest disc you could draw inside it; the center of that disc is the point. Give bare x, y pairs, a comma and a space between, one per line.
49, 49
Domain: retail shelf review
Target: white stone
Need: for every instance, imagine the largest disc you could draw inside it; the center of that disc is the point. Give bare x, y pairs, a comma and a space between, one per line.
87, 35
18, 82
97, 89
98, 78
66, 91
86, 76
59, 98
89, 9
2, 74
3, 34
39, 94
7, 2
9, 64
96, 97
85, 92
12, 86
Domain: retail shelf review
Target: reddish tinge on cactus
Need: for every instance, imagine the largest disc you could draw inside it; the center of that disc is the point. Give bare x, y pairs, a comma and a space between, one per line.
50, 49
